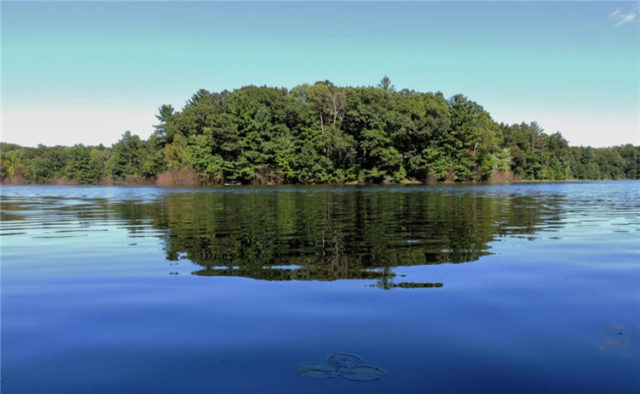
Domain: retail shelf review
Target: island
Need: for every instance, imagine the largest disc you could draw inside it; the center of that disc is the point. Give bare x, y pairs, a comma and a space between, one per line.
322, 133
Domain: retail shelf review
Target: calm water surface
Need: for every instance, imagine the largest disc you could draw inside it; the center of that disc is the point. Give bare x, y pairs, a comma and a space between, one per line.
518, 288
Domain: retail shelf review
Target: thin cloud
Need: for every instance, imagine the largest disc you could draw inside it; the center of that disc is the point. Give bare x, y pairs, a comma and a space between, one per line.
623, 17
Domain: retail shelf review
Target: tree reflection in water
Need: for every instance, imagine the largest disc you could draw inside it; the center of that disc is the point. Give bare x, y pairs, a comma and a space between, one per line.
324, 234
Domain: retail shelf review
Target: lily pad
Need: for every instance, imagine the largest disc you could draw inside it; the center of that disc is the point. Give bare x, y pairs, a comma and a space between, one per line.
344, 360
363, 373
316, 370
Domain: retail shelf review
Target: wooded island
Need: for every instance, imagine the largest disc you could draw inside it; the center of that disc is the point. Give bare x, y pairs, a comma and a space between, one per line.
322, 133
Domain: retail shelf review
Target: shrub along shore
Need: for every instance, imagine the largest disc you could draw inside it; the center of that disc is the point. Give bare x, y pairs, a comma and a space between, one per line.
321, 133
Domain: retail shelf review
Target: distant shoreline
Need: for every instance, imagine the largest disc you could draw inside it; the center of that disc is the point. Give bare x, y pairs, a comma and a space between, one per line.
152, 183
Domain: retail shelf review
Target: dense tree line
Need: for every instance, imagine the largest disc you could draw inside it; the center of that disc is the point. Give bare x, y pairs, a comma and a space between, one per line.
323, 133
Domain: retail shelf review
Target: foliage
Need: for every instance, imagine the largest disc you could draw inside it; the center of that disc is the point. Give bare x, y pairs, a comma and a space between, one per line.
323, 133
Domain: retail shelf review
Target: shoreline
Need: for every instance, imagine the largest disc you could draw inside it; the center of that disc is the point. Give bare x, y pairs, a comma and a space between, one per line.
411, 183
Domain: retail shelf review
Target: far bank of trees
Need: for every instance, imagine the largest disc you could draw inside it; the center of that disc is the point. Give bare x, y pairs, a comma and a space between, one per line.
322, 133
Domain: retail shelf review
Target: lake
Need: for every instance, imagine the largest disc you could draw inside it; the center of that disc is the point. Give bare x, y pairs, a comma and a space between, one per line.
446, 289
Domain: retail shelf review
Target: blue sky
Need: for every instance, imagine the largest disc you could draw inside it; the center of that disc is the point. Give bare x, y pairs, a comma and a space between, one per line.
84, 72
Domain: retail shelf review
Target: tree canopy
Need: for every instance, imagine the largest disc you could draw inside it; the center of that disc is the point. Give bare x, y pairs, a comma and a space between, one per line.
323, 133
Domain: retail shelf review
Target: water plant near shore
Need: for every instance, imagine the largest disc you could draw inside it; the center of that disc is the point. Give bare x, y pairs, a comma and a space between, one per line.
341, 364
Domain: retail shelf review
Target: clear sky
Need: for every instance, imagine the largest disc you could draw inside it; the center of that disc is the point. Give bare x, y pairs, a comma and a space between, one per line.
85, 72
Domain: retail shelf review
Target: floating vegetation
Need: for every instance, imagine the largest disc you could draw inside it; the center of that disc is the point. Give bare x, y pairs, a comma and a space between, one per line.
317, 370
363, 373
344, 360
341, 364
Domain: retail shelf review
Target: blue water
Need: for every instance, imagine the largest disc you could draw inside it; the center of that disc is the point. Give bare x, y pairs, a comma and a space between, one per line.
449, 289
